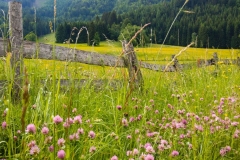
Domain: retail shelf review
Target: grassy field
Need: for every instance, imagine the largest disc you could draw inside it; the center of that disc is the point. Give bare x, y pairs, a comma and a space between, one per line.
153, 52
192, 114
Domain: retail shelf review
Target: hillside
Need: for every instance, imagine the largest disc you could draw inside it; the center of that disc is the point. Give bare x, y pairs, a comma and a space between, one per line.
210, 23
88, 9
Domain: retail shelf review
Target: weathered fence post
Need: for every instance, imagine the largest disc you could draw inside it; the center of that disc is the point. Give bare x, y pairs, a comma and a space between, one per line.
176, 64
16, 41
130, 60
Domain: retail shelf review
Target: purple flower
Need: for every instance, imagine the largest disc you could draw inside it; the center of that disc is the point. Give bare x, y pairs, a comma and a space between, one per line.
114, 158
129, 153
129, 137
31, 144
119, 107
18, 132
57, 119
71, 137
78, 119
45, 130
61, 142
235, 124
124, 122
51, 148
61, 154
92, 149
147, 144
149, 157
149, 149
91, 134
31, 128
135, 151
48, 139
4, 125
131, 119
74, 110
34, 150
228, 148
223, 152
174, 153
80, 131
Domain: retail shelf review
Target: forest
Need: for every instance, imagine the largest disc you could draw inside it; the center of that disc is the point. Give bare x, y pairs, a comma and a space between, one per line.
209, 23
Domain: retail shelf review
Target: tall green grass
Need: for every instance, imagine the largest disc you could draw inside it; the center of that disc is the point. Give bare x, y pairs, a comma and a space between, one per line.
196, 98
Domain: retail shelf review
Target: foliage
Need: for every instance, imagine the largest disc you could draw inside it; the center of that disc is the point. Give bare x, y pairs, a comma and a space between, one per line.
129, 31
96, 40
31, 37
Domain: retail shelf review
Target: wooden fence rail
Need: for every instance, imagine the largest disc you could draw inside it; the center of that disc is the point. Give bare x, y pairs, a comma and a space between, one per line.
46, 51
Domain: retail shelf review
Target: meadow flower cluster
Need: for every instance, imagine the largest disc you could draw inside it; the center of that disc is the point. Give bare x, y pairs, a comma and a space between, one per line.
175, 123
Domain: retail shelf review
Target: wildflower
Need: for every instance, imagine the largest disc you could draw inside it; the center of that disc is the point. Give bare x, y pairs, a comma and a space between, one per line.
139, 117
61, 142
45, 130
182, 136
149, 157
119, 107
164, 142
91, 134
135, 151
170, 106
92, 149
57, 119
48, 139
61, 154
190, 146
199, 128
15, 138
235, 124
114, 158
34, 106
74, 110
129, 137
51, 148
66, 125
146, 145
78, 119
131, 119
129, 153
124, 122
5, 112
71, 137
223, 152
150, 149
18, 132
34, 150
31, 144
137, 131
174, 153
4, 125
80, 131
31, 128
161, 147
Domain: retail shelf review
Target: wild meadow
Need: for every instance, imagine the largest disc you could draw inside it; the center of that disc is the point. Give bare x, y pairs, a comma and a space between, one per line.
190, 114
